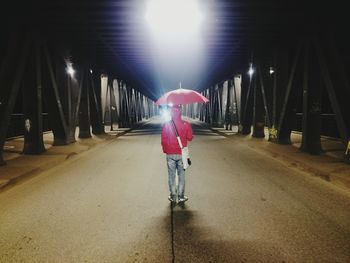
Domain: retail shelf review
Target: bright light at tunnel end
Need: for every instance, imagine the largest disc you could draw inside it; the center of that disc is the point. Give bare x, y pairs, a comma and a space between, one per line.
173, 16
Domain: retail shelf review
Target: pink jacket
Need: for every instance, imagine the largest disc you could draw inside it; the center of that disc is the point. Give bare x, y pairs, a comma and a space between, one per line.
169, 141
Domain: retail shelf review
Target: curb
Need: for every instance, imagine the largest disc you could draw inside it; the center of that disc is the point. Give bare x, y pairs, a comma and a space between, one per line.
13, 181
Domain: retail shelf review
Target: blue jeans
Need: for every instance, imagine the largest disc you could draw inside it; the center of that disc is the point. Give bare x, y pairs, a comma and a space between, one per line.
174, 162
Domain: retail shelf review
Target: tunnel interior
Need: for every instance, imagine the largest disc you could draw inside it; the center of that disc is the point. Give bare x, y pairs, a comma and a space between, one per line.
294, 47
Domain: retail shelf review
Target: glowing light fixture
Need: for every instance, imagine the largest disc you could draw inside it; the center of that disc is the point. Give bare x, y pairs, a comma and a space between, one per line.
271, 70
177, 42
70, 70
251, 70
168, 17
91, 71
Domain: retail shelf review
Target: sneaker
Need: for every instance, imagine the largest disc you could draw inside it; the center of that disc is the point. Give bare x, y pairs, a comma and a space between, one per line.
183, 198
171, 199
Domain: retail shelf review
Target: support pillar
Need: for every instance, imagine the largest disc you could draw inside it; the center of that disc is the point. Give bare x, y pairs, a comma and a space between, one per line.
229, 105
53, 102
274, 123
288, 112
11, 74
311, 123
280, 80
32, 106
84, 108
258, 110
95, 104
247, 114
337, 86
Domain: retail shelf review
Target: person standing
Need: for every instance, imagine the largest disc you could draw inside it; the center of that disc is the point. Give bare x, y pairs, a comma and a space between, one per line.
172, 150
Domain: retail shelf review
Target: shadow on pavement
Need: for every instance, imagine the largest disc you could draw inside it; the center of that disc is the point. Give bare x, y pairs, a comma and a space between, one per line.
180, 237
196, 243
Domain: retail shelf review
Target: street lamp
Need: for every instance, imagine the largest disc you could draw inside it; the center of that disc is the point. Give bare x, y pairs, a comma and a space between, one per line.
70, 70
251, 70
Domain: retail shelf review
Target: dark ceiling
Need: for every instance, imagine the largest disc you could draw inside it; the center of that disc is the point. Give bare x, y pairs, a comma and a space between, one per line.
112, 35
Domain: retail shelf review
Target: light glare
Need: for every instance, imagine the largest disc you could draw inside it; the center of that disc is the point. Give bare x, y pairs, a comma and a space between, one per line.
178, 45
165, 114
70, 70
251, 70
167, 17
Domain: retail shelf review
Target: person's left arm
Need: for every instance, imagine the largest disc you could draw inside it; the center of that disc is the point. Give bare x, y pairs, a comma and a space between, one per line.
164, 138
189, 134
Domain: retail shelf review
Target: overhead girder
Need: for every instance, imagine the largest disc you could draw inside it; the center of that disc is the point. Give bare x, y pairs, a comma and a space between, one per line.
300, 74
39, 70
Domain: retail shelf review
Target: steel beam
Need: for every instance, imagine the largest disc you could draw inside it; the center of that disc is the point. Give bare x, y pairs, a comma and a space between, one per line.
258, 108
311, 122
274, 122
237, 99
285, 125
264, 95
32, 105
54, 105
247, 114
331, 91
279, 90
84, 107
11, 75
229, 106
112, 103
217, 120
334, 96
76, 91
124, 116
95, 104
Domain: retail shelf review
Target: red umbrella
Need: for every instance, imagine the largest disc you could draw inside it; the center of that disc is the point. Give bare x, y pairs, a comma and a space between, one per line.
181, 96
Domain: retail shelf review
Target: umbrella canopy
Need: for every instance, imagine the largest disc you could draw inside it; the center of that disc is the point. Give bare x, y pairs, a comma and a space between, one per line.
181, 96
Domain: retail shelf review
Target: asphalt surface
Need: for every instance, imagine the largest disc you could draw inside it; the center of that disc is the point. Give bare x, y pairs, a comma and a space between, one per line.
110, 205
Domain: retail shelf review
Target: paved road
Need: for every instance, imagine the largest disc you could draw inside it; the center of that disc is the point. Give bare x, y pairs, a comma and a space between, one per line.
110, 205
